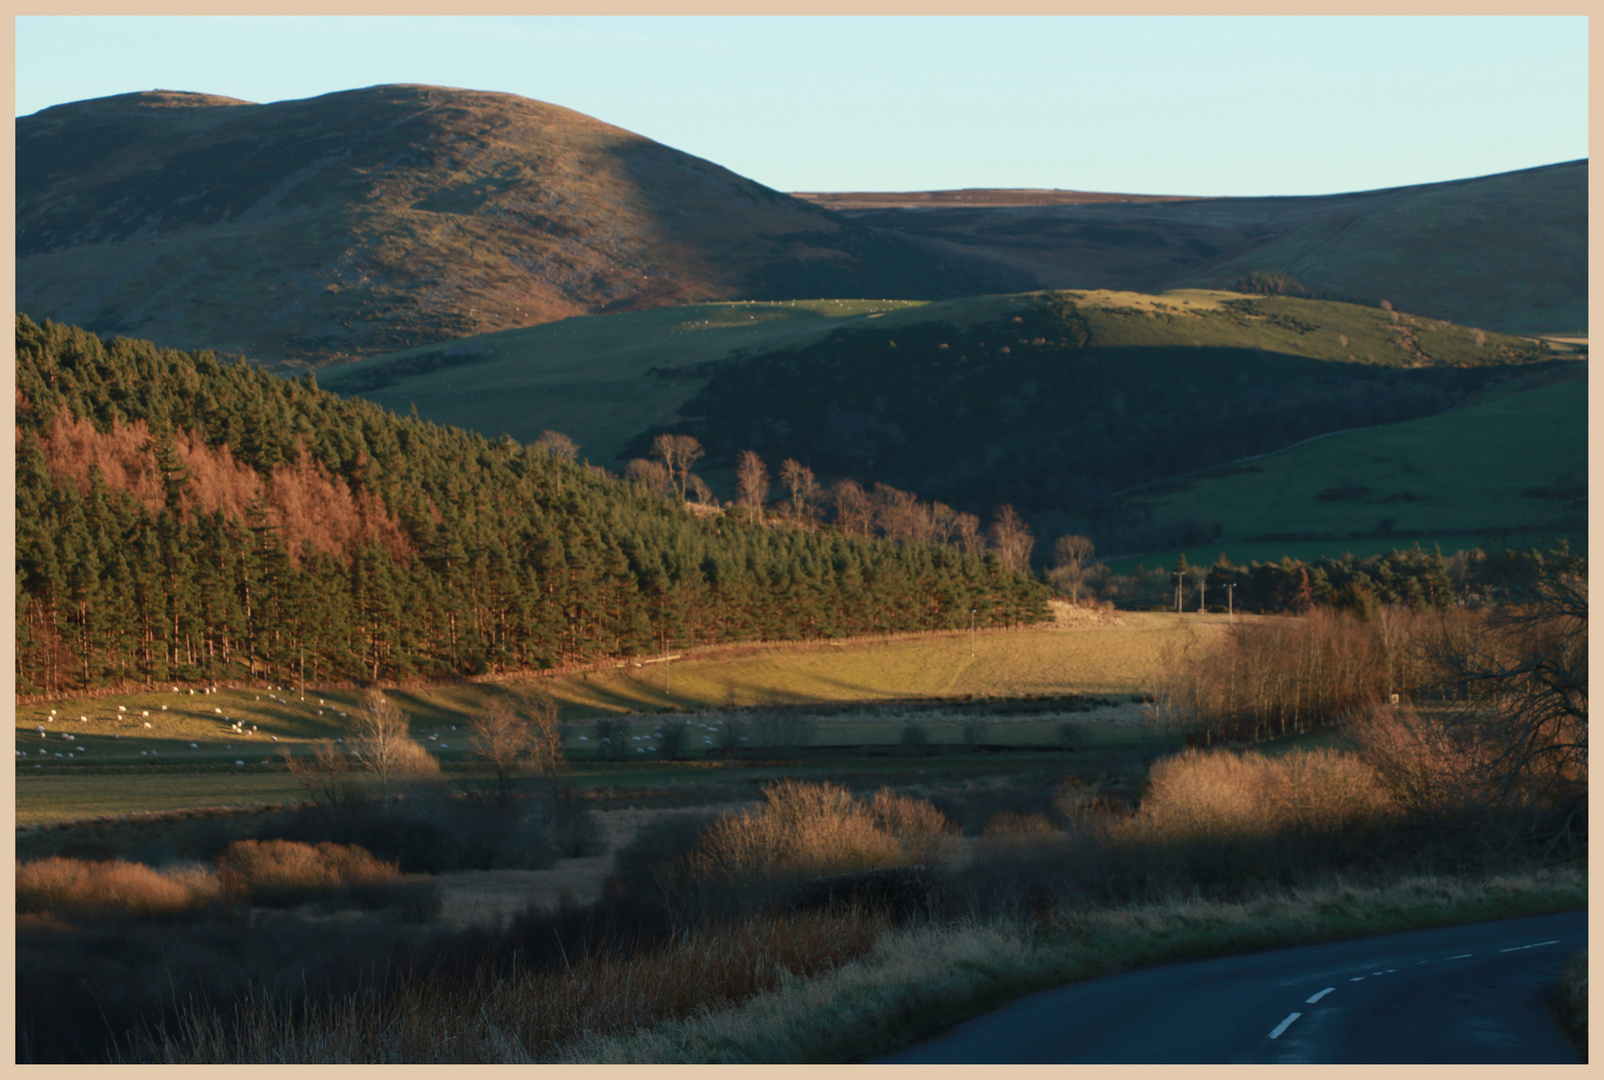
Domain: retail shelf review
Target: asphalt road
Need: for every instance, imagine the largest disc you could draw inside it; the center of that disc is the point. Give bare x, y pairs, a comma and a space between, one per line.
1462, 994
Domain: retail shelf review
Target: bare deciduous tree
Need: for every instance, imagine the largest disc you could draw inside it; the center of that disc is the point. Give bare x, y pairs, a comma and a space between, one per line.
381, 744
804, 488
853, 510
678, 453
651, 475
518, 736
751, 483
1071, 553
1011, 539
967, 531
558, 445
700, 492
327, 777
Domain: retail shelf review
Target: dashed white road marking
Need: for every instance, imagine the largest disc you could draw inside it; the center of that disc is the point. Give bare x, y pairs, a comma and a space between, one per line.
1320, 995
1283, 1025
1462, 956
1357, 978
1539, 945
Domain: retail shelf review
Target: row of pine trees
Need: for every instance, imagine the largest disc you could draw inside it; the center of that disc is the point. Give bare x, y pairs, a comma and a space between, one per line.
470, 555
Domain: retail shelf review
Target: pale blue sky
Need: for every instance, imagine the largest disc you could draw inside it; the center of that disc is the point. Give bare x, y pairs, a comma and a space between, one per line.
1162, 105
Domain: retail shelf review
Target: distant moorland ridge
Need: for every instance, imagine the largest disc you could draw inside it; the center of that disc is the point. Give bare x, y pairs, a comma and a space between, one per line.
365, 221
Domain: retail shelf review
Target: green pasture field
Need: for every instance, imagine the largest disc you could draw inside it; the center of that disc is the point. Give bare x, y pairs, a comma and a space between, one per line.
1507, 459
587, 376
190, 755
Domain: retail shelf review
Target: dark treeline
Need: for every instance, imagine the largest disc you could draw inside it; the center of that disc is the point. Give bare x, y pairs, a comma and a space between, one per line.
179, 518
1413, 578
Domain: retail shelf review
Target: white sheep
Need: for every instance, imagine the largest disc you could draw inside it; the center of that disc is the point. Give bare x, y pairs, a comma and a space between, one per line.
122, 708
147, 723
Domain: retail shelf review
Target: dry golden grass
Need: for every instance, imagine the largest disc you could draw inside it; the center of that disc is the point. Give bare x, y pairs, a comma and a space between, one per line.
72, 886
286, 871
812, 828
1220, 793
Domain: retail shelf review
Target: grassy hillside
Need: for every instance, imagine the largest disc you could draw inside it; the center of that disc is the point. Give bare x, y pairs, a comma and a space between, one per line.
1055, 402
371, 220
1514, 457
1505, 252
588, 377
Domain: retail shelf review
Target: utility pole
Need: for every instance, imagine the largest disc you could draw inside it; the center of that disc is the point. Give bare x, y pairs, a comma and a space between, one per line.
666, 691
1180, 582
1229, 610
972, 632
1203, 594
300, 647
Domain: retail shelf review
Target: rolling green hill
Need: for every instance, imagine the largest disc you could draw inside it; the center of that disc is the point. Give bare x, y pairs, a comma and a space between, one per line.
1055, 402
1512, 459
589, 377
372, 220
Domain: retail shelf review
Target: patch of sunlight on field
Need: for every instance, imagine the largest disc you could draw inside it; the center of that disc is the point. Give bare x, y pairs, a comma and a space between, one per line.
57, 797
1118, 658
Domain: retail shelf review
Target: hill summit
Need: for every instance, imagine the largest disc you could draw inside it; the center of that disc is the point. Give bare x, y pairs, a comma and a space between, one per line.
371, 220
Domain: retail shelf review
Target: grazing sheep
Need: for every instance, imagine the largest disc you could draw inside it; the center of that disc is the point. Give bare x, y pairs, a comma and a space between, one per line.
147, 723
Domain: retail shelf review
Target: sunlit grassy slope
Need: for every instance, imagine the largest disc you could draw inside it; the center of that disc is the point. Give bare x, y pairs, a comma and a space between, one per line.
587, 376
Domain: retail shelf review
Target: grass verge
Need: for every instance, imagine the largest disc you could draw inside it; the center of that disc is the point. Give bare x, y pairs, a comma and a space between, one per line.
921, 981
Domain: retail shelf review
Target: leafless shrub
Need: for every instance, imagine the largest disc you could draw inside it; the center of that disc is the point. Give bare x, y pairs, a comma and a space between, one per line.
558, 445
282, 873
61, 886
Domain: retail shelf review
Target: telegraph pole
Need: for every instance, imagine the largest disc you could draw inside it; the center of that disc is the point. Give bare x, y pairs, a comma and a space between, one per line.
1203, 595
1229, 610
972, 632
1180, 581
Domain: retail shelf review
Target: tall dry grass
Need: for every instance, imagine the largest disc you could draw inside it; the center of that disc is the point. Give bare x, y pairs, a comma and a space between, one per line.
528, 1016
1224, 794
60, 886
810, 829
287, 872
